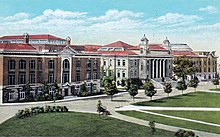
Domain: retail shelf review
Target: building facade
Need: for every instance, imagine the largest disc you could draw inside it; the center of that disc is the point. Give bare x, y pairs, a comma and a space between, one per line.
66, 64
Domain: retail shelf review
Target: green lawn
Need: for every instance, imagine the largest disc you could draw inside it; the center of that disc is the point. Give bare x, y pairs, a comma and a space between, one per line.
215, 89
75, 124
172, 122
197, 99
206, 116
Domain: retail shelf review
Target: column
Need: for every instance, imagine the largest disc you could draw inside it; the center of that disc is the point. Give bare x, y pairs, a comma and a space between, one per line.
156, 61
160, 68
152, 68
164, 66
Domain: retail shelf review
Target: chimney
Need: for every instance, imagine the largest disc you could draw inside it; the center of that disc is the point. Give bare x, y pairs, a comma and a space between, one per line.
25, 38
68, 40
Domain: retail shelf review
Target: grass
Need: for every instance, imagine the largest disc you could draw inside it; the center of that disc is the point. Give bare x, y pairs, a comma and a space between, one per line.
172, 122
207, 116
75, 124
215, 89
196, 99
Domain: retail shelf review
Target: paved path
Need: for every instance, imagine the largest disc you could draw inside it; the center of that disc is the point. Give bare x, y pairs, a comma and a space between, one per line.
89, 105
132, 107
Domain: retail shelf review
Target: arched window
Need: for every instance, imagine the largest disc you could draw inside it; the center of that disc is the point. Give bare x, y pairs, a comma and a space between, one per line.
22, 64
11, 64
66, 64
32, 65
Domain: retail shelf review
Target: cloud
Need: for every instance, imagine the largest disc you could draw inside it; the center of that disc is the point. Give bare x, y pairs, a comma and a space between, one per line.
18, 16
174, 19
210, 9
117, 15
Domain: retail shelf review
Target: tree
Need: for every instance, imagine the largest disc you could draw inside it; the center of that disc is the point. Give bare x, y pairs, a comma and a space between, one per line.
110, 86
123, 82
182, 67
133, 90
27, 89
193, 83
83, 90
167, 88
152, 127
216, 82
180, 85
149, 89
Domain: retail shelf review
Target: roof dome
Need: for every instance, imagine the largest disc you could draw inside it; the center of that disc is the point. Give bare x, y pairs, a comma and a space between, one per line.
180, 47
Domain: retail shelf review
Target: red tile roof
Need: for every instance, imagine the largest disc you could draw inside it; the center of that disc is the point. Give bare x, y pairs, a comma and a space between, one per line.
183, 53
156, 47
117, 53
92, 48
14, 46
119, 44
41, 36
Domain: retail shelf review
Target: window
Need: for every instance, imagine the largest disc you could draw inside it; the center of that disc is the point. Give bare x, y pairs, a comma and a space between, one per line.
88, 64
22, 64
123, 63
65, 77
39, 77
78, 64
32, 77
11, 96
77, 75
123, 74
104, 73
51, 91
119, 62
11, 65
131, 62
142, 66
95, 75
51, 64
39, 65
135, 73
118, 74
110, 73
88, 75
95, 64
21, 78
110, 62
51, 77
66, 64
135, 62
104, 62
32, 65
22, 95
11, 79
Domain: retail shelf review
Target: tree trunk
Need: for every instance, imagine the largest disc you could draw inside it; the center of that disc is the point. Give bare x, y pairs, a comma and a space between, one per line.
167, 94
111, 97
182, 92
133, 99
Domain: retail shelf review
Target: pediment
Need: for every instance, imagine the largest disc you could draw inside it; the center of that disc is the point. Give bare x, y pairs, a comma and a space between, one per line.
68, 51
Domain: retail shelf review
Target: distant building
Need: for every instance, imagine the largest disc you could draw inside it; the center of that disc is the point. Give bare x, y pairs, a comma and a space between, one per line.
34, 39
205, 61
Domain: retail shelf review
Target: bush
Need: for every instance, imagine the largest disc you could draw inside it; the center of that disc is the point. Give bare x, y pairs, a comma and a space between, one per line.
185, 133
36, 110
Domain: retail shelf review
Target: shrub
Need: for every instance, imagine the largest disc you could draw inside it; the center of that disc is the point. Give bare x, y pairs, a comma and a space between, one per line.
185, 133
36, 110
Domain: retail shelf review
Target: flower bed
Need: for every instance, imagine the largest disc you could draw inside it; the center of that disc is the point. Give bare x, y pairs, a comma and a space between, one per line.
36, 110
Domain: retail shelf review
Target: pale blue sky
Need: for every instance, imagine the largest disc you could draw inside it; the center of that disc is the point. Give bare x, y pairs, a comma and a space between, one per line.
196, 22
